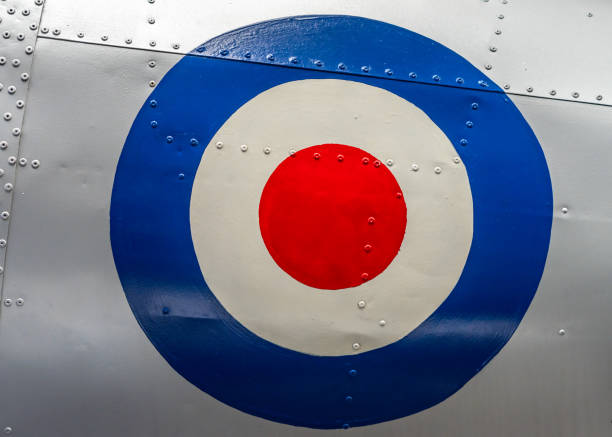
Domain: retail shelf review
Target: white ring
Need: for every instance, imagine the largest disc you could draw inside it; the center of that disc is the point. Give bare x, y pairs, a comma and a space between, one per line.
233, 257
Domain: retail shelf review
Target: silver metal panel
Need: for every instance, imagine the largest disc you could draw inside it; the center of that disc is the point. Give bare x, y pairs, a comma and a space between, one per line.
19, 22
75, 362
532, 47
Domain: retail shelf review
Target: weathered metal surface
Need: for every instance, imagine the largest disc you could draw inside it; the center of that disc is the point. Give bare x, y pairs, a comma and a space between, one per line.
76, 362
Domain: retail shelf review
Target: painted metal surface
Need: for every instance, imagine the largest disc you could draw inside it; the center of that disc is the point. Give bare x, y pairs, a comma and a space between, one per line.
512, 41
75, 350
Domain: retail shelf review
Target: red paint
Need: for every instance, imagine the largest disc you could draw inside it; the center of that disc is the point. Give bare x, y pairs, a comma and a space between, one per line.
320, 218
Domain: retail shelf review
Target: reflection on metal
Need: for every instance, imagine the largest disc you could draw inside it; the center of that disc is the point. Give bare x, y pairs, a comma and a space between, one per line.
76, 359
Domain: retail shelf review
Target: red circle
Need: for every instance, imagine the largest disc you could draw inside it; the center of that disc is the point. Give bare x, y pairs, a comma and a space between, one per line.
332, 223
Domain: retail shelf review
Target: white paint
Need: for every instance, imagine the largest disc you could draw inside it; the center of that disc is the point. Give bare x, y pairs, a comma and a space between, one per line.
233, 257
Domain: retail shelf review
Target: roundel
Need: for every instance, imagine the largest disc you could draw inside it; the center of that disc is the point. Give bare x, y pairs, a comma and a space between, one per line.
329, 221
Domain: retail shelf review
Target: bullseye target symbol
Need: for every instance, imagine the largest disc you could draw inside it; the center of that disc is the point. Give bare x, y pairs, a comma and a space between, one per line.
338, 245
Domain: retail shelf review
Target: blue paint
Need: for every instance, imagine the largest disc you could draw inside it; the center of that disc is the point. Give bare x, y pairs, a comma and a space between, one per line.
156, 260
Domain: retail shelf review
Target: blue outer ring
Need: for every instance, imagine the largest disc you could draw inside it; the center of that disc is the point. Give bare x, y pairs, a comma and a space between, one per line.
157, 265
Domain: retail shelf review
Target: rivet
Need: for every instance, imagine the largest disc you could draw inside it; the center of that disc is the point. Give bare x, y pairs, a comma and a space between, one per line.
153, 103
7, 303
367, 248
340, 158
181, 176
365, 160
194, 142
564, 210
348, 399
437, 170
165, 310
482, 83
459, 80
507, 86
388, 72
25, 12
599, 97
3, 145
128, 40
33, 26
469, 124
493, 49
16, 131
16, 62
316, 155
151, 20
318, 63
488, 66
152, 43
2, 242
10, 11
436, 78
382, 323
345, 426
246, 55
414, 167
474, 106
389, 162
11, 160
35, 163
104, 37
267, 150
561, 331
553, 92
219, 144
224, 52
500, 16
152, 64
270, 57
589, 14
361, 304
19, 103
23, 162
44, 29
292, 153
352, 372
20, 36
356, 346
5, 215
56, 32
575, 95
151, 83
169, 139
412, 75
498, 32
80, 35
8, 187
7, 116
341, 66
364, 276
529, 89
365, 69
24, 76
293, 60
371, 220
29, 50
2, 60
153, 124
39, 2
151, 1
11, 89
244, 147
19, 302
